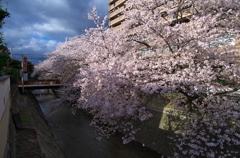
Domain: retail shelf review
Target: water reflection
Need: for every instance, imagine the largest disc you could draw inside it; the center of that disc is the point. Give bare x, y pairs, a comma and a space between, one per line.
77, 139
44, 97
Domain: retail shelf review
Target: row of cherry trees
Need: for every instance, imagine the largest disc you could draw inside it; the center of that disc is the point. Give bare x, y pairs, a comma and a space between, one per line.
158, 50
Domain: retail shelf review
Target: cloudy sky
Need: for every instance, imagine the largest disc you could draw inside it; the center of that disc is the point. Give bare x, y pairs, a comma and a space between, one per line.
35, 27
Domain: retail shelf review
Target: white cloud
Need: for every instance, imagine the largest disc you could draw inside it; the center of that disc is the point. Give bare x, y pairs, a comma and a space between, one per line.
54, 3
18, 33
53, 26
35, 27
37, 45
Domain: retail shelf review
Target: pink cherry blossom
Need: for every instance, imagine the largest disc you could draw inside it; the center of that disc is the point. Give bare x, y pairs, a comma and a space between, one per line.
112, 74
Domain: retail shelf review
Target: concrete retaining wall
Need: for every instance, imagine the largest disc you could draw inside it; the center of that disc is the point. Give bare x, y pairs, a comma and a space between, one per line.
157, 132
5, 104
4, 93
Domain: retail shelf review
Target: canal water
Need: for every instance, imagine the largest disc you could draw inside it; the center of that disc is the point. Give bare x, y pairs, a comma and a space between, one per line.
77, 139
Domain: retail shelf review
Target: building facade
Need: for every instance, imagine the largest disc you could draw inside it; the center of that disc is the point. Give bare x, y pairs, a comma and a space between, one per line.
116, 16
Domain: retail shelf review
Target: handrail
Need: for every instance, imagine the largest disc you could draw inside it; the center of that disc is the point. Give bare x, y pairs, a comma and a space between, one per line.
57, 81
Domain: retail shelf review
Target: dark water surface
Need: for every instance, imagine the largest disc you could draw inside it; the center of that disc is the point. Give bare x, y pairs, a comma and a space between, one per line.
77, 139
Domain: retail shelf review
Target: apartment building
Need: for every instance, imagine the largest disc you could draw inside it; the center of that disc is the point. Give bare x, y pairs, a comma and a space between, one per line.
116, 16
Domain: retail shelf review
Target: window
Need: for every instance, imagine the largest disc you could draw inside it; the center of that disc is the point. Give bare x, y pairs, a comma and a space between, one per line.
174, 15
165, 50
224, 40
148, 51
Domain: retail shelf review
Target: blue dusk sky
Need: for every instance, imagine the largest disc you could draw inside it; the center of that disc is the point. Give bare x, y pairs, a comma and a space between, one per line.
35, 27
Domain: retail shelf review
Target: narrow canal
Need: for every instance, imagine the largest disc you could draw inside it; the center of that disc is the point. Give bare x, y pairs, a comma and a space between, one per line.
77, 139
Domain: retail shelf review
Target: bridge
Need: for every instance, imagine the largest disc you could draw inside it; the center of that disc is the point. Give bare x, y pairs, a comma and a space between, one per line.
40, 84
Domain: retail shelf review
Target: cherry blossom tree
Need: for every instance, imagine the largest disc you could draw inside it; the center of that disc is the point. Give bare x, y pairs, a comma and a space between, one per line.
64, 64
95, 82
189, 50
110, 96
177, 47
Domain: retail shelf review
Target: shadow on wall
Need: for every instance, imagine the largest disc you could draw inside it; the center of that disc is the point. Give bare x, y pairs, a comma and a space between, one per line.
156, 132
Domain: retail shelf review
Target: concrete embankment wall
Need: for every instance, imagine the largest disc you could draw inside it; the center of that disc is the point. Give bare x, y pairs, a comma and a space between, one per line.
5, 104
158, 131
33, 122
24, 131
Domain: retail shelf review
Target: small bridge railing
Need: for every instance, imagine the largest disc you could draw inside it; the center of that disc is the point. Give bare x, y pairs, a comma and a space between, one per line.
47, 81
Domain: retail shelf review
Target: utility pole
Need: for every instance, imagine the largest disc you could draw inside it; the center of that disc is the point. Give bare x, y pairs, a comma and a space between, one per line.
23, 72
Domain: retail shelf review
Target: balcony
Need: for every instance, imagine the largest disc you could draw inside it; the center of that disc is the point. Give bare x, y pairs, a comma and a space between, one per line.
116, 27
110, 1
117, 4
116, 12
117, 20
